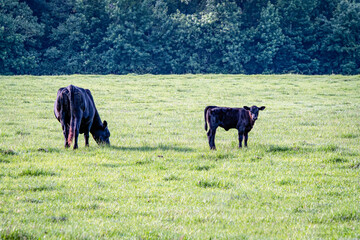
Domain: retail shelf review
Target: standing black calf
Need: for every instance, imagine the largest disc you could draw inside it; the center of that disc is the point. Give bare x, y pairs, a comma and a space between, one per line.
242, 119
75, 109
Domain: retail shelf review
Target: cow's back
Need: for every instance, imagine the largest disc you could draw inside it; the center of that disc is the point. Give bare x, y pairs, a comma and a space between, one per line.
81, 102
225, 117
77, 98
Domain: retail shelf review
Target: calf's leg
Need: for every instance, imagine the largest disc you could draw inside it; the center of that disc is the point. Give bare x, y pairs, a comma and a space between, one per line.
240, 133
246, 139
211, 137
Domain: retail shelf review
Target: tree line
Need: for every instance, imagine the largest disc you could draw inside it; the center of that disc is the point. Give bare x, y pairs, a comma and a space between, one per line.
179, 36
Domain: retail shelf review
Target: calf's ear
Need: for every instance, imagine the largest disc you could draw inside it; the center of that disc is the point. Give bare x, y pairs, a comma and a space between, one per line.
262, 108
246, 108
104, 124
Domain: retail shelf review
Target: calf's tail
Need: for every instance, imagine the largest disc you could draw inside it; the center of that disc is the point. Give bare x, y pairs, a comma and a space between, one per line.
206, 126
206, 115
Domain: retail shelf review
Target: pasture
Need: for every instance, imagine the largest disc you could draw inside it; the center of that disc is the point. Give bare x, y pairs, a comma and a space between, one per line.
299, 178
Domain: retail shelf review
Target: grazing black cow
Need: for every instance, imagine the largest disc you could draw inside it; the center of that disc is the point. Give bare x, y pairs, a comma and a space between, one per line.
75, 109
242, 119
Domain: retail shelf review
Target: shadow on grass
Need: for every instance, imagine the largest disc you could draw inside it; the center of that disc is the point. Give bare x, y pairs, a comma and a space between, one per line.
152, 148
7, 152
15, 234
277, 148
308, 148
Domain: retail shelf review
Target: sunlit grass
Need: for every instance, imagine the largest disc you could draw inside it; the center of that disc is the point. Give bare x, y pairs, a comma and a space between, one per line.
299, 177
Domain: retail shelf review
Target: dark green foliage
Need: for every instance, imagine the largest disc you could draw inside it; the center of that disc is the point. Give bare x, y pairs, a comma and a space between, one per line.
268, 38
137, 39
296, 55
75, 40
210, 41
179, 36
19, 31
342, 40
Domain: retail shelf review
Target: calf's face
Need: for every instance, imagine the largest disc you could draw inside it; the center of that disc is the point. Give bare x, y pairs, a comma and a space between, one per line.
254, 111
102, 136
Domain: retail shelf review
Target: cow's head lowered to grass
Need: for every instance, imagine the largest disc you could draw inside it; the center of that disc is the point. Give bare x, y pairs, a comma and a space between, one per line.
102, 134
75, 109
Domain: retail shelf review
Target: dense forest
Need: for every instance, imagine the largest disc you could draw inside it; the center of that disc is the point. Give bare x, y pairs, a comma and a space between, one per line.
179, 36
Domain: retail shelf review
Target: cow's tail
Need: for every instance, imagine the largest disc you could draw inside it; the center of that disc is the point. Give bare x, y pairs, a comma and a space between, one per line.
71, 134
72, 117
206, 115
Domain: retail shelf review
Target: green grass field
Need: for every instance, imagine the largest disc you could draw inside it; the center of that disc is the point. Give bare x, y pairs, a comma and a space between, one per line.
298, 179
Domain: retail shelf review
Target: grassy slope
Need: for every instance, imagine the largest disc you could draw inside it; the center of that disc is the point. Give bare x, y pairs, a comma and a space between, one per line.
299, 178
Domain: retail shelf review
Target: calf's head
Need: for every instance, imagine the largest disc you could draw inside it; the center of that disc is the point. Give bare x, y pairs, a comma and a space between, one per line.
254, 111
102, 134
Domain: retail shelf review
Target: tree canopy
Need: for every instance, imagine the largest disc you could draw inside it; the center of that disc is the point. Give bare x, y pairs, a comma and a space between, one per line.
179, 36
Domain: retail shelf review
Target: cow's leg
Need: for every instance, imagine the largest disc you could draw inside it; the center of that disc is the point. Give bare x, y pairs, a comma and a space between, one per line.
66, 134
77, 130
65, 127
76, 135
245, 139
211, 137
86, 135
76, 139
240, 133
